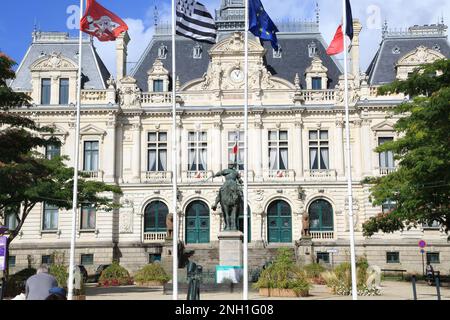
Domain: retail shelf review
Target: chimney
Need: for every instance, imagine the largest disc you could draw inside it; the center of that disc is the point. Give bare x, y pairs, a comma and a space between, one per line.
357, 27
121, 55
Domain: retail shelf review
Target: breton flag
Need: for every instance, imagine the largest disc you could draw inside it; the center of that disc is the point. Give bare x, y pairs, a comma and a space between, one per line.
337, 45
102, 23
195, 22
260, 24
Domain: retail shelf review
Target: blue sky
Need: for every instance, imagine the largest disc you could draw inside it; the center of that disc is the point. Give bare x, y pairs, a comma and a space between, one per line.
17, 19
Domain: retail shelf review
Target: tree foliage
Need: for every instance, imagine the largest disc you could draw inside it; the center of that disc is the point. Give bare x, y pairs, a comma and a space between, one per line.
420, 187
27, 177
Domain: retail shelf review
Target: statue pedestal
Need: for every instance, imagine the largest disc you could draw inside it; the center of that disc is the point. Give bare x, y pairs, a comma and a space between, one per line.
167, 256
230, 256
305, 250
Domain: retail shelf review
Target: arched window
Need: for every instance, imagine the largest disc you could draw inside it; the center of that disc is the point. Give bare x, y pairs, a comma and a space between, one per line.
241, 222
279, 222
321, 216
155, 217
197, 222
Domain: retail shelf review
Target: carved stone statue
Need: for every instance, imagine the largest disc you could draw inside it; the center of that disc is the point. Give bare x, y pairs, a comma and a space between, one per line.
230, 197
169, 225
305, 225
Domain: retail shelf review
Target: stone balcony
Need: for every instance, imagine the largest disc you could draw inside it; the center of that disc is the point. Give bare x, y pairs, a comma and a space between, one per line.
386, 171
321, 175
197, 176
154, 237
279, 175
157, 176
322, 235
92, 175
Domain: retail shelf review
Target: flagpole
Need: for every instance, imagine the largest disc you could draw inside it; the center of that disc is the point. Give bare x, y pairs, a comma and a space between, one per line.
174, 161
349, 161
77, 156
246, 154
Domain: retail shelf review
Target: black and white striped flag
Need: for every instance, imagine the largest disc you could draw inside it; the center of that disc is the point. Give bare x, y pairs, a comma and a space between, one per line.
195, 22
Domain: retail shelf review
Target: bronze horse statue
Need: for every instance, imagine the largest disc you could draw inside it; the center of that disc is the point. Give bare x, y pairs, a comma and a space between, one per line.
230, 197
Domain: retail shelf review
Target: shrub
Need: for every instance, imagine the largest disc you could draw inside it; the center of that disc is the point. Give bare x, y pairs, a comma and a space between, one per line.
115, 275
152, 273
61, 274
284, 274
16, 283
313, 272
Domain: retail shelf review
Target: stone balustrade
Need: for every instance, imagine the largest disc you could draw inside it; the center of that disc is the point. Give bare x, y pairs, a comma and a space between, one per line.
279, 175
154, 237
321, 175
157, 176
322, 235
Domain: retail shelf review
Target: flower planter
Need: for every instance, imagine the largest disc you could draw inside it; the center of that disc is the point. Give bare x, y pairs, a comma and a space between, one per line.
283, 293
82, 297
150, 284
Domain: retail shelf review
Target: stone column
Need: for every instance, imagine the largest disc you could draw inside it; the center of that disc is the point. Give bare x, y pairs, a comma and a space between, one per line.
340, 151
54, 91
109, 156
137, 152
357, 27
367, 148
257, 149
357, 146
121, 55
216, 147
298, 154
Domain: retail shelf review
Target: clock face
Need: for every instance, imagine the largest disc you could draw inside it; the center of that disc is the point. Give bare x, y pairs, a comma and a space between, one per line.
237, 75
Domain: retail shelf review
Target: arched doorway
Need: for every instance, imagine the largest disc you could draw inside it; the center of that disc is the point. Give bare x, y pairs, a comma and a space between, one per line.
155, 215
241, 222
321, 216
197, 223
279, 222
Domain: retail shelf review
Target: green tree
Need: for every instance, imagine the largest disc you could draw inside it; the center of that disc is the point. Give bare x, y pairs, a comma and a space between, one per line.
420, 187
28, 177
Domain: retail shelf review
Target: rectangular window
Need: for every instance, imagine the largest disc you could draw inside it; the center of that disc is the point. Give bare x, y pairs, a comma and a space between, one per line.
158, 85
52, 151
50, 218
386, 157
91, 156
319, 150
236, 143
46, 91
88, 215
87, 259
323, 257
278, 150
435, 225
393, 257
316, 83
388, 206
64, 91
198, 151
157, 151
433, 257
11, 221
11, 261
47, 259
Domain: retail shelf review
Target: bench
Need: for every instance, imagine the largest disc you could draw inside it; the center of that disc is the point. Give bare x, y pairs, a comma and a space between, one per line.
394, 270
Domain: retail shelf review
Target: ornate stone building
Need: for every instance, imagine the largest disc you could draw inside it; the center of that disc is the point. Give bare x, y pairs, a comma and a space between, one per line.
296, 143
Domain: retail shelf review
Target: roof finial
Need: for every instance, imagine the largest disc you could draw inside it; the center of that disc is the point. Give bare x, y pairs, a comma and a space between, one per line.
317, 13
385, 29
156, 14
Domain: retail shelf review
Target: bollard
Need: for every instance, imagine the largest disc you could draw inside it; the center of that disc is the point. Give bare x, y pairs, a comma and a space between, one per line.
2, 288
414, 287
438, 285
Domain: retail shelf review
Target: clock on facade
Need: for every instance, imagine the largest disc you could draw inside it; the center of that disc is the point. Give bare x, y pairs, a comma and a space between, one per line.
237, 75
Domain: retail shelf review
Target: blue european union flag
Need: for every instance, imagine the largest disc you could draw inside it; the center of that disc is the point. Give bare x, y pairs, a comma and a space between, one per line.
260, 23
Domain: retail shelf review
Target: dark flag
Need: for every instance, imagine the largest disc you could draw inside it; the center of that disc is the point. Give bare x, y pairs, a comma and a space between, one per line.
195, 22
101, 23
261, 25
337, 45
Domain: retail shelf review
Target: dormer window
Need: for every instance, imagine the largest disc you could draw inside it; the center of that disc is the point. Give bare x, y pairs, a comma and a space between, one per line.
277, 54
162, 51
197, 51
312, 50
437, 48
396, 50
158, 85
46, 85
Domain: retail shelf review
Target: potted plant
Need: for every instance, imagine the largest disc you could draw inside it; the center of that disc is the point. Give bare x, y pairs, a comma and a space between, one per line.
283, 278
151, 275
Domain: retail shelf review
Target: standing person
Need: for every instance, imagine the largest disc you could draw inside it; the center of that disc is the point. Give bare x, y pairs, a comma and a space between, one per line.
430, 273
39, 285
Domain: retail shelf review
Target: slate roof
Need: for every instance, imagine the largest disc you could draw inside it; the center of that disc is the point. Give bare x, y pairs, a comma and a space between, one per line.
382, 69
295, 59
94, 70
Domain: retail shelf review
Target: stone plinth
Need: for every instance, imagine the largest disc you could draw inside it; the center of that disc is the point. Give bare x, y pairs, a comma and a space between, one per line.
231, 248
305, 250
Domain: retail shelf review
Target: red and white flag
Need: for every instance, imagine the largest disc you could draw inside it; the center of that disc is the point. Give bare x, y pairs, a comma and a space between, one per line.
337, 45
101, 23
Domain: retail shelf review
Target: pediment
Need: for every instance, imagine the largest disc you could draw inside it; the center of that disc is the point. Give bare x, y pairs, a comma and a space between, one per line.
58, 131
54, 61
158, 69
92, 130
384, 126
421, 55
235, 44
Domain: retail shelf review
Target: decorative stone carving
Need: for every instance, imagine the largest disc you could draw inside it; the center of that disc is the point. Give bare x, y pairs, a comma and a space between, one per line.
126, 216
54, 61
158, 72
316, 70
129, 93
415, 58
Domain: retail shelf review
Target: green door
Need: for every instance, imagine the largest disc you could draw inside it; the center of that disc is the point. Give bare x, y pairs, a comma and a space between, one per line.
279, 222
321, 216
197, 223
241, 223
